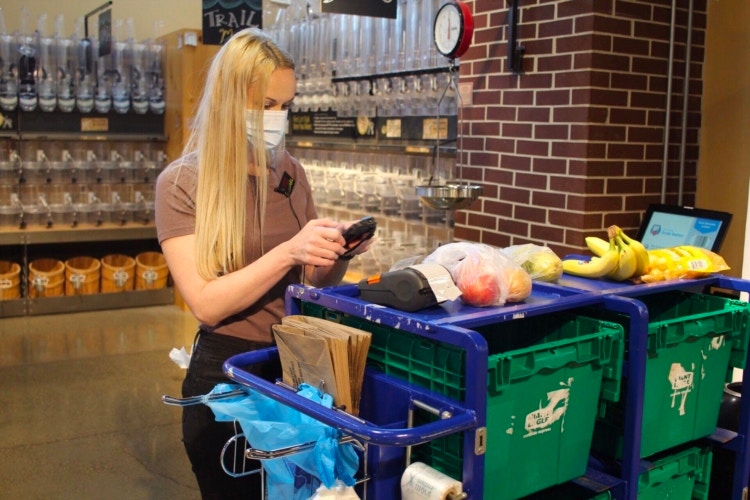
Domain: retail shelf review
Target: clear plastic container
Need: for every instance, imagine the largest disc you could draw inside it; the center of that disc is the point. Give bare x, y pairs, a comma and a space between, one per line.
37, 216
8, 195
143, 213
63, 214
117, 213
10, 216
125, 172
88, 213
29, 193
104, 172
61, 172
9, 173
82, 172
36, 172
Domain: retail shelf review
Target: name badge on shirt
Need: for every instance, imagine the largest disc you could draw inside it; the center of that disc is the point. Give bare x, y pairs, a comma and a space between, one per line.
286, 185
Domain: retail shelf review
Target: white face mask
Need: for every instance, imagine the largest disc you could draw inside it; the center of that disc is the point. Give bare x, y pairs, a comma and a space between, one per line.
274, 126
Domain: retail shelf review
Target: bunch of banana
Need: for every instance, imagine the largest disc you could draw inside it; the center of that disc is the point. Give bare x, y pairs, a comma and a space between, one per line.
619, 259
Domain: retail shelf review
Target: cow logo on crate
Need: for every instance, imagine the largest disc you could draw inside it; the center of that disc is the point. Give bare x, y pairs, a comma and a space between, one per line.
682, 385
541, 420
716, 344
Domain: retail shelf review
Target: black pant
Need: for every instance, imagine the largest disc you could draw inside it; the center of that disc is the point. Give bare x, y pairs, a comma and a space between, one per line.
202, 435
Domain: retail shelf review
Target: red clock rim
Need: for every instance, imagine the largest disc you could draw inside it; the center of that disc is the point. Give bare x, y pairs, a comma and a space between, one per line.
467, 29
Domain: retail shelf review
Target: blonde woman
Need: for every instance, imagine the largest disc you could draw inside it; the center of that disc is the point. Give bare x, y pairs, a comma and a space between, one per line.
236, 222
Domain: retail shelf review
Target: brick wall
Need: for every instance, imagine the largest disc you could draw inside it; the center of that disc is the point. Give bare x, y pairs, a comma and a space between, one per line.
576, 142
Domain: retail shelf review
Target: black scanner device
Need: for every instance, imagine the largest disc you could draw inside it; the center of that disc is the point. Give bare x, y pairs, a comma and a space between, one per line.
404, 289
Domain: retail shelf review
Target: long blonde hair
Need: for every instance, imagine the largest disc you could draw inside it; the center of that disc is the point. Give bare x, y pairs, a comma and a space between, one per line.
238, 75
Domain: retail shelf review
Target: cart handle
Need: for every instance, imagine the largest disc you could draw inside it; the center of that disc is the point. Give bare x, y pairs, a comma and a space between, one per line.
457, 420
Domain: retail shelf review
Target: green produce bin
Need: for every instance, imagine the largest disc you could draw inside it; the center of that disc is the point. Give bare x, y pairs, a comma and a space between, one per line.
683, 475
546, 376
693, 342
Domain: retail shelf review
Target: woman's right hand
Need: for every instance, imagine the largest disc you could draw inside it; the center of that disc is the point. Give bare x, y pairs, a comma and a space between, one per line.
319, 243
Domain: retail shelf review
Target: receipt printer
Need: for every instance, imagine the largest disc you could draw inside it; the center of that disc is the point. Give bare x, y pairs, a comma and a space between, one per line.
410, 289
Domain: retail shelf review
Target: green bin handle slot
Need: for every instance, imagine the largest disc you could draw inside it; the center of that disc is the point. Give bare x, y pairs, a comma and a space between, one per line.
738, 356
663, 334
593, 348
669, 468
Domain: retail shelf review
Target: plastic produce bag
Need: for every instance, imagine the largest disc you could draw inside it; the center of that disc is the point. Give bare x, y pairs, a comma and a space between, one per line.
484, 275
180, 357
684, 261
540, 262
340, 491
270, 425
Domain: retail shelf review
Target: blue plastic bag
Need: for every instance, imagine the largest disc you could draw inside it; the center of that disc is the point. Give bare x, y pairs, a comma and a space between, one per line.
269, 425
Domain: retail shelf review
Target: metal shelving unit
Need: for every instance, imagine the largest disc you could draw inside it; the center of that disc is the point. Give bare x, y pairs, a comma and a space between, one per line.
26, 242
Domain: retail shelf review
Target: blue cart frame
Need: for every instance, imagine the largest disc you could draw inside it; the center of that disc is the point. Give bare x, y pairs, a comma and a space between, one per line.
454, 326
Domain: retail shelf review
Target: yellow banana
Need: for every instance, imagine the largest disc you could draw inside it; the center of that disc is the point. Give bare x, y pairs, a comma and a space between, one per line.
626, 263
641, 254
598, 246
597, 266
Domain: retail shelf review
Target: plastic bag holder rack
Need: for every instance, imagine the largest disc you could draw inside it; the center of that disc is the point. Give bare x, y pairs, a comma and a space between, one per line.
460, 418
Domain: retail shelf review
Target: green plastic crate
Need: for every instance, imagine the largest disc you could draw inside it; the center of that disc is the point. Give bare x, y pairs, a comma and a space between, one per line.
546, 375
434, 365
694, 340
685, 475
682, 475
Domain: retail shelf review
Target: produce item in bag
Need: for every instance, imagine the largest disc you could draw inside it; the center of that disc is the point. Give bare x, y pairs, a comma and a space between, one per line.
540, 262
484, 275
684, 261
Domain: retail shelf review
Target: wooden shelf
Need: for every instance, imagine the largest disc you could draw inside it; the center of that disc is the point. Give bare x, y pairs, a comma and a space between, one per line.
84, 233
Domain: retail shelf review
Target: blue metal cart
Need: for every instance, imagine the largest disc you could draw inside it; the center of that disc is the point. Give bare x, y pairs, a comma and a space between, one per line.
738, 442
455, 325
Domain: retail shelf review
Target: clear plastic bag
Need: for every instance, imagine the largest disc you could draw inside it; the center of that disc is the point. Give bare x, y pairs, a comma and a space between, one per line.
684, 261
485, 275
539, 261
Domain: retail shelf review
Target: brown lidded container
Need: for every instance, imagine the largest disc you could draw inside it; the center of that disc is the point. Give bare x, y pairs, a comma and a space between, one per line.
46, 278
10, 280
117, 273
151, 272
82, 275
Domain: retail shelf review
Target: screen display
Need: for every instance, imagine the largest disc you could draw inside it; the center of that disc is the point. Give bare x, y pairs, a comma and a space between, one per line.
665, 230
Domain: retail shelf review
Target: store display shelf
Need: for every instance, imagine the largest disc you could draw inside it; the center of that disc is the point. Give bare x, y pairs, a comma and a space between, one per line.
79, 303
362, 145
80, 136
54, 234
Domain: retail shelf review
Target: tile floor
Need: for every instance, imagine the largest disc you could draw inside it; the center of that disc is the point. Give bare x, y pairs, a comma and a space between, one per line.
81, 415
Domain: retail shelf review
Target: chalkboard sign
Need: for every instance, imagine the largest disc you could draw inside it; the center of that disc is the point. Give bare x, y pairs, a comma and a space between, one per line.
322, 124
224, 18
370, 8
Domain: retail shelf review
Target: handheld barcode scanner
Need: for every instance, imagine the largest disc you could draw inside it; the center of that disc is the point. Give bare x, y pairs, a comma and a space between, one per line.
358, 233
